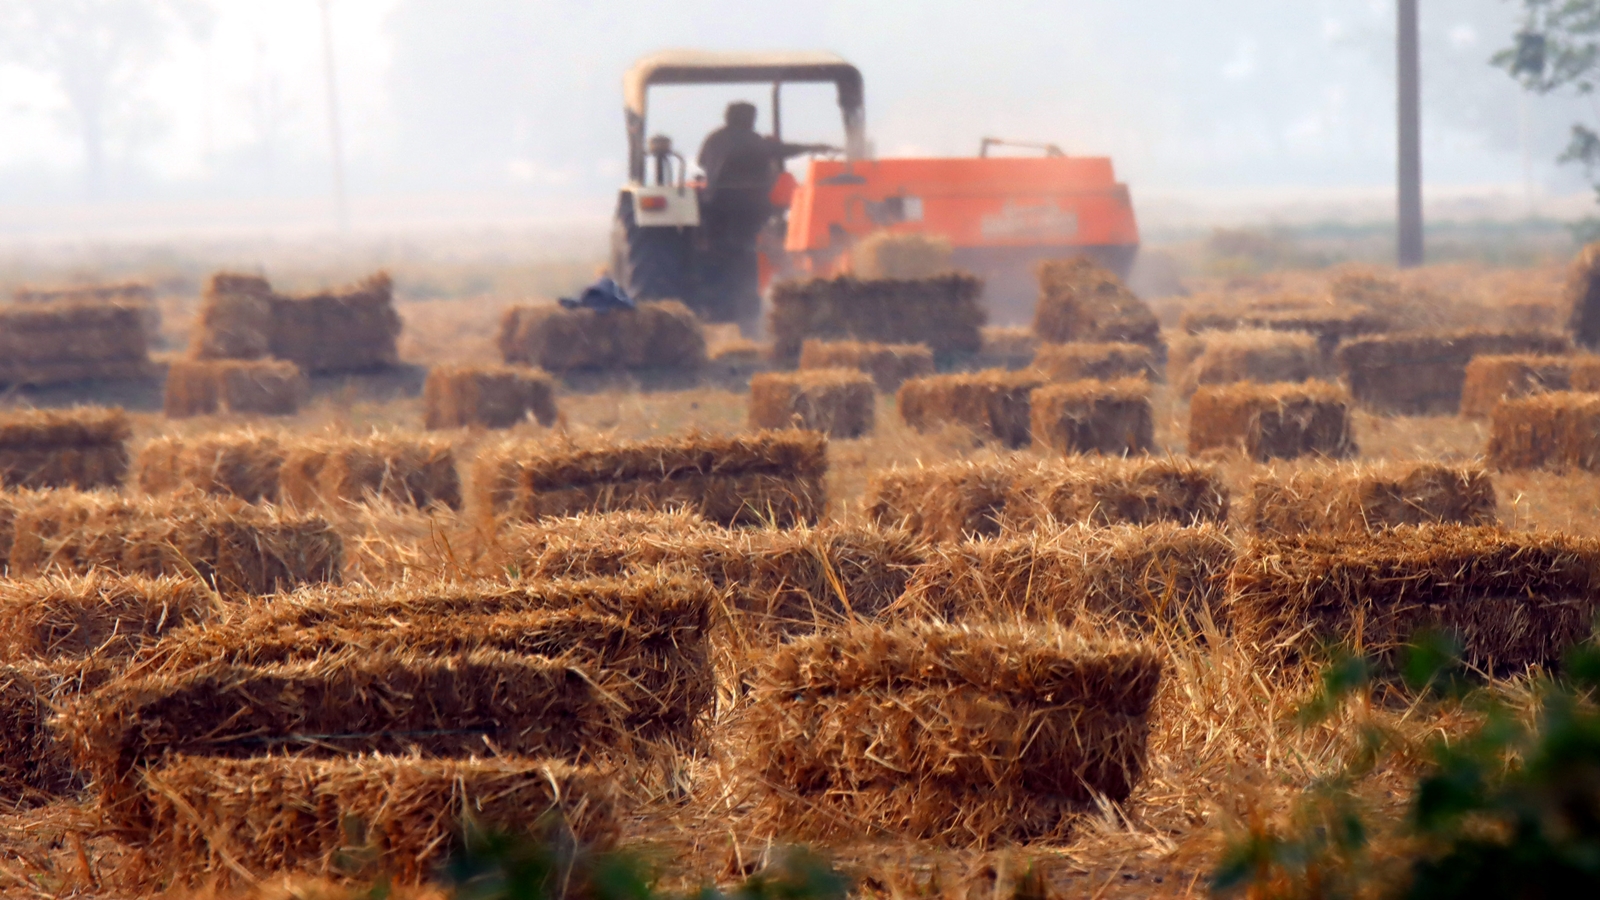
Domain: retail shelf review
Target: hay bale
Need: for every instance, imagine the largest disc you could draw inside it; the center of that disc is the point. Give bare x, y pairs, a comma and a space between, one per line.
1264, 357
887, 254
137, 295
1490, 379
941, 312
1559, 430
890, 365
235, 319
401, 469
1272, 421
1415, 374
1355, 498
84, 447
1583, 297
1080, 301
1329, 323
1511, 599
1584, 376
487, 397
215, 821
1081, 361
837, 402
963, 736
243, 464
664, 335
353, 329
233, 546
67, 342
1093, 417
1007, 347
266, 387
35, 767
1146, 576
992, 403
949, 502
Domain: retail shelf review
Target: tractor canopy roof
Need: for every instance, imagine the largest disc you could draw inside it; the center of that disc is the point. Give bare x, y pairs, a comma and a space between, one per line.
718, 67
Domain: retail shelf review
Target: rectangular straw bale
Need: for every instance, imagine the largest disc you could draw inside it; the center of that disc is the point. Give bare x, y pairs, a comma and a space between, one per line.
235, 547
100, 615
1559, 430
235, 320
948, 502
1007, 347
216, 820
353, 329
266, 387
1264, 357
890, 365
768, 477
67, 342
243, 464
1111, 418
597, 545
406, 470
888, 254
1272, 421
1328, 323
1582, 296
487, 396
658, 335
1354, 498
1511, 599
961, 736
1585, 373
1145, 575
992, 403
84, 447
941, 312
1081, 301
35, 765
1417, 373
1083, 361
840, 403
1110, 491
1490, 379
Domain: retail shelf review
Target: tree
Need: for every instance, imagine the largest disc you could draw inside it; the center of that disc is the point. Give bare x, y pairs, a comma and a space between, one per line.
97, 51
1558, 50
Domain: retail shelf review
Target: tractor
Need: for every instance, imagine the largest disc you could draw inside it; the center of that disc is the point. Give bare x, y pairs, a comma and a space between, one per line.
1001, 214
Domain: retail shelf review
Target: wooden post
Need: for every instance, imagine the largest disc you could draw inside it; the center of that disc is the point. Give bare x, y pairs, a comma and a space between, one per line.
1411, 251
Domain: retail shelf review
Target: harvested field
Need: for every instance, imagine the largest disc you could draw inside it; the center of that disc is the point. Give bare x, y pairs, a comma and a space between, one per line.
487, 397
1558, 430
1490, 379
220, 820
1110, 418
1080, 301
1349, 499
1264, 357
409, 471
766, 478
1511, 600
941, 312
890, 365
1272, 421
1097, 361
840, 403
68, 342
243, 464
656, 336
992, 403
78, 448
961, 736
203, 387
1419, 374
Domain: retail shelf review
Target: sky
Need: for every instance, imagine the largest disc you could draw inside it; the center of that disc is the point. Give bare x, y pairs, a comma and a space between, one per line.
514, 105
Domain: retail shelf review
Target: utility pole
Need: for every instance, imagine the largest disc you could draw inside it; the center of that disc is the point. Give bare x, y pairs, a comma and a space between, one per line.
1410, 82
335, 138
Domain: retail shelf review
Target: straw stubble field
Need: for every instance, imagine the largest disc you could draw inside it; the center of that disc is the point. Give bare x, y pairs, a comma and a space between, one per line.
722, 757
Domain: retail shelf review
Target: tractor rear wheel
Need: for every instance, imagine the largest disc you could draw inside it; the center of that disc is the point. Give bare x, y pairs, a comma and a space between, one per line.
651, 263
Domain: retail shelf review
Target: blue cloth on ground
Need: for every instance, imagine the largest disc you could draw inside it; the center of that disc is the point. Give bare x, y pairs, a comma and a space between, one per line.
603, 296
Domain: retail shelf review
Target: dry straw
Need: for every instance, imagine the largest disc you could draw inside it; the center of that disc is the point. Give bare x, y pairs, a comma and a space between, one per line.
941, 312
890, 365
222, 821
243, 464
962, 736
235, 319
992, 403
1081, 361
351, 329
656, 336
1007, 347
1490, 379
1328, 323
1264, 357
487, 397
1558, 431
83, 448
1415, 373
765, 478
1080, 301
885, 254
1353, 498
1272, 421
1093, 417
235, 547
401, 469
840, 403
1583, 297
67, 342
1151, 576
266, 387
1511, 599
